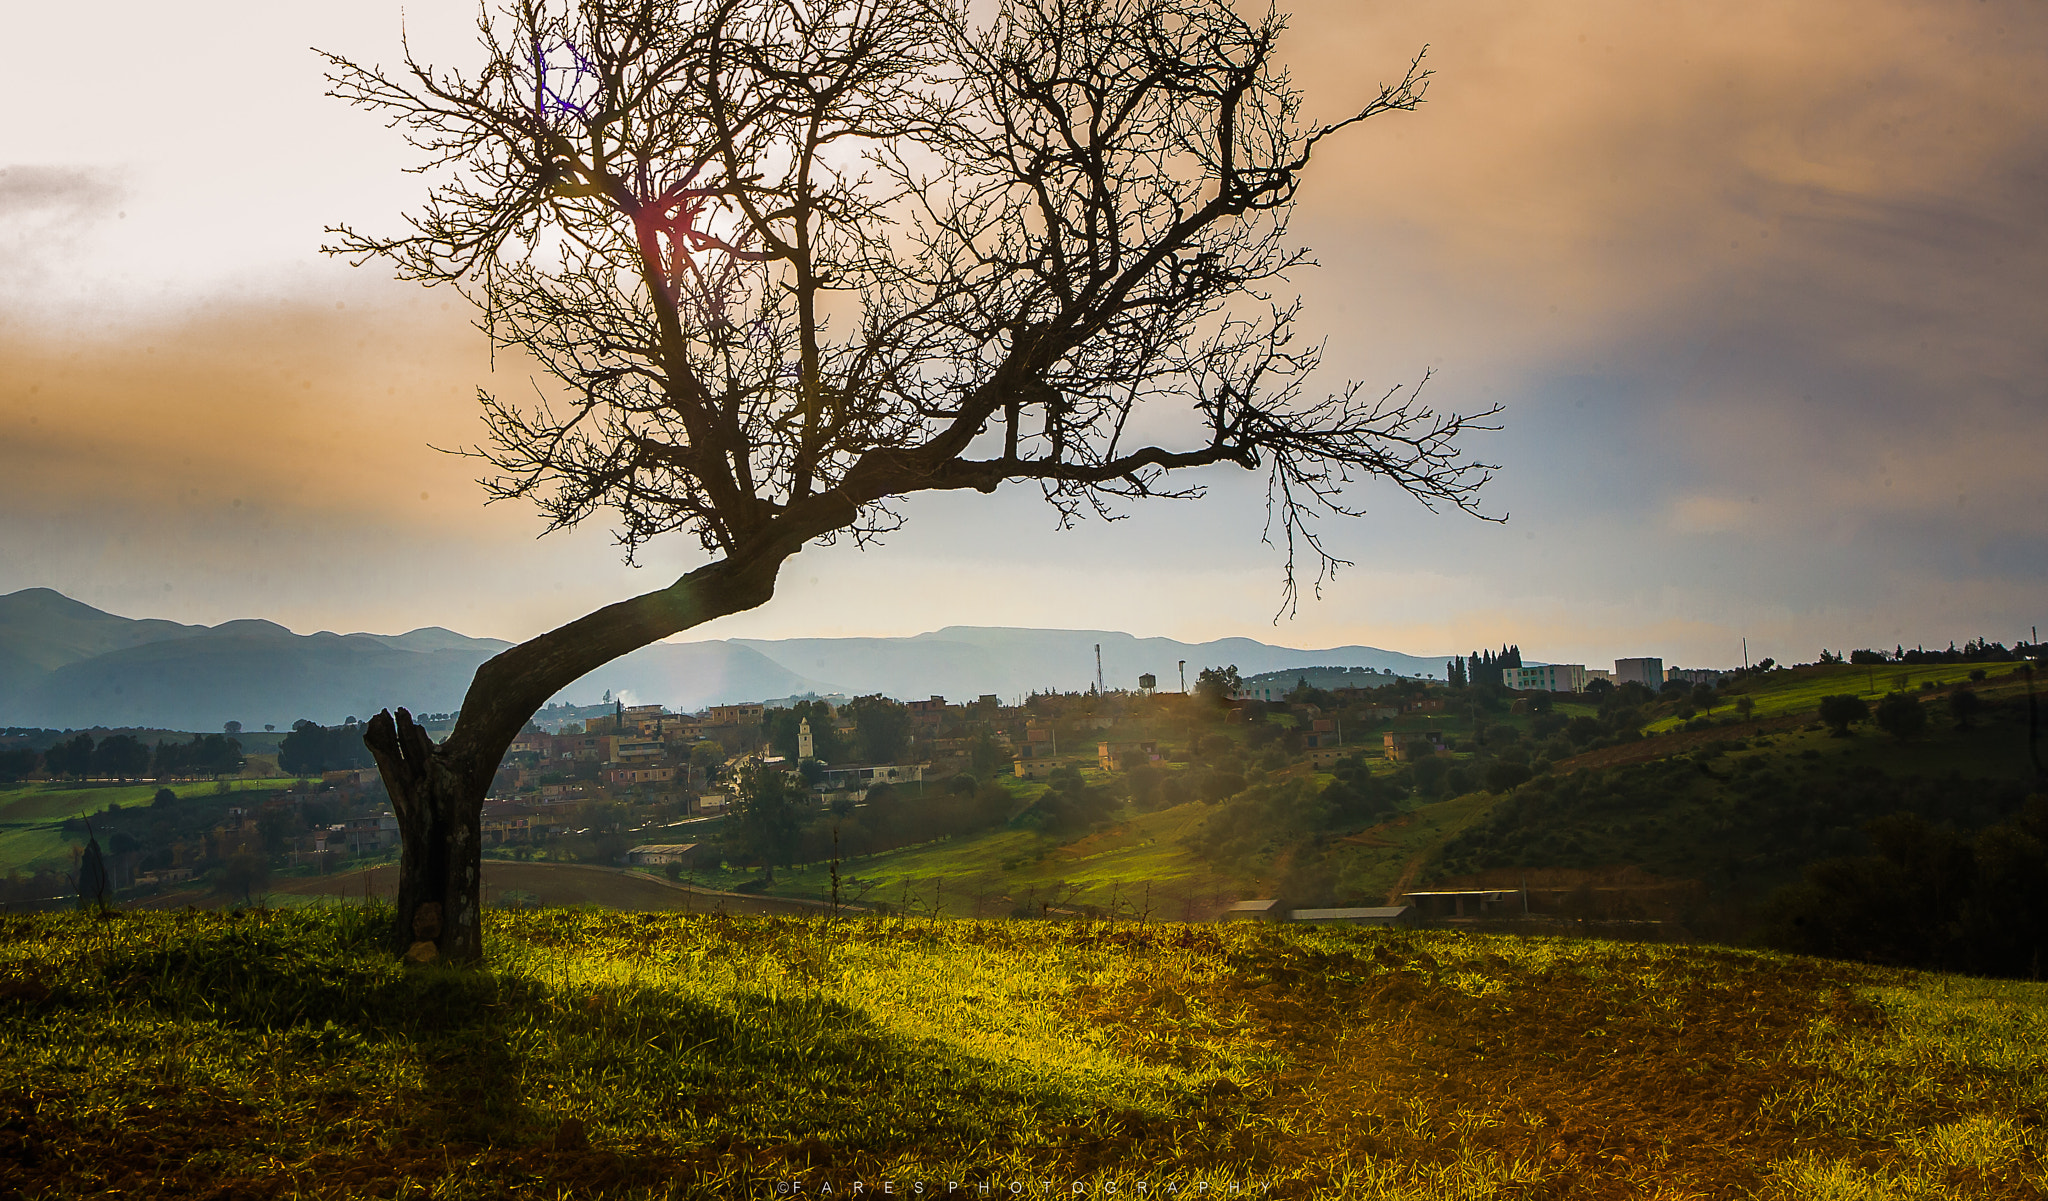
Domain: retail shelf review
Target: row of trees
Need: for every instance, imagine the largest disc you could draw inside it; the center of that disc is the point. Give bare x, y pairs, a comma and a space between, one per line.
1483, 667
312, 748
1899, 714
1977, 650
126, 757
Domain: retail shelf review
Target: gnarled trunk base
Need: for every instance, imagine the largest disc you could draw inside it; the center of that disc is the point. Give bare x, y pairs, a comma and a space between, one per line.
440, 864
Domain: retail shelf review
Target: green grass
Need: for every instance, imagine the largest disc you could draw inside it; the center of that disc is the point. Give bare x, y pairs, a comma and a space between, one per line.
27, 847
57, 801
971, 876
1800, 689
32, 815
1954, 1079
282, 1053
1378, 873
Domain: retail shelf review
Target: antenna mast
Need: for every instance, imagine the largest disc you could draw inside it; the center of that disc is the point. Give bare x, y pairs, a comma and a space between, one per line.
1099, 689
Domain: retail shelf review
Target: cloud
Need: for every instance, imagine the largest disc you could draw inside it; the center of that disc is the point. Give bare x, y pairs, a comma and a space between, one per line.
1759, 284
47, 216
310, 410
77, 191
273, 459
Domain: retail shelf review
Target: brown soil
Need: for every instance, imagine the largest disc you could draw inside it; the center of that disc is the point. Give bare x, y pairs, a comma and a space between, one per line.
1615, 1088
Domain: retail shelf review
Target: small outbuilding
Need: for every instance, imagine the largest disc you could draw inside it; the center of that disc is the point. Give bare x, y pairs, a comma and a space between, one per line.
660, 854
1255, 911
1379, 915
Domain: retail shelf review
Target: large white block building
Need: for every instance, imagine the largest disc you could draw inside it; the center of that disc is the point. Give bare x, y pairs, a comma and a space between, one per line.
1551, 677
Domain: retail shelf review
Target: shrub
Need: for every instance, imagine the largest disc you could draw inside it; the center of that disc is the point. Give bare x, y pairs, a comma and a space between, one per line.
1964, 704
1841, 712
1900, 715
1503, 776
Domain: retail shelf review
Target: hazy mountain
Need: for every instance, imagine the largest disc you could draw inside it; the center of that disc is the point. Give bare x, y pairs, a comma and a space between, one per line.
42, 630
65, 664
254, 672
966, 661
687, 676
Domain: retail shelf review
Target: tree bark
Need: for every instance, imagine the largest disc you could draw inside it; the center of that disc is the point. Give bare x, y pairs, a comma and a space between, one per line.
437, 791
440, 865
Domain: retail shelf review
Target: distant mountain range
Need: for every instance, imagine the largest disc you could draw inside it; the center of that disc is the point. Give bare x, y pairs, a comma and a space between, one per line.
67, 665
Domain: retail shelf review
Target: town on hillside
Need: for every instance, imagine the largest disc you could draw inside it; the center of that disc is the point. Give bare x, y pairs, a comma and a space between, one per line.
757, 787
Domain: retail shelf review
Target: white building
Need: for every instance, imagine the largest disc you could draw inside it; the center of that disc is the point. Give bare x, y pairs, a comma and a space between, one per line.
1696, 675
1647, 672
1551, 677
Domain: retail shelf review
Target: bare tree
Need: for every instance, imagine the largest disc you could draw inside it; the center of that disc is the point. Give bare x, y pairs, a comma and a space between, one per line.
789, 260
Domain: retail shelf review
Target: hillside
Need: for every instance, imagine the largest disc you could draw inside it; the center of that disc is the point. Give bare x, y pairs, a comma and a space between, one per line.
42, 630
641, 1056
1697, 828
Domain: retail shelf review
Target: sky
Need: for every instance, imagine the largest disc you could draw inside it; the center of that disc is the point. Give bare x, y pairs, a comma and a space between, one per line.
1759, 286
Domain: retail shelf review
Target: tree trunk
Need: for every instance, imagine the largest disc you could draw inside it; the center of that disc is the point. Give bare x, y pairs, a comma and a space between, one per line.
440, 864
438, 792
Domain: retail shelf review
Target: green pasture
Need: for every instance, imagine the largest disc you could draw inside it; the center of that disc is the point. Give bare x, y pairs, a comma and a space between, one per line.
56, 801
287, 1053
1800, 689
970, 876
27, 847
32, 815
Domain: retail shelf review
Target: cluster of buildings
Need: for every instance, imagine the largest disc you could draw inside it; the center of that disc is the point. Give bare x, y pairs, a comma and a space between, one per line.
1573, 677
651, 755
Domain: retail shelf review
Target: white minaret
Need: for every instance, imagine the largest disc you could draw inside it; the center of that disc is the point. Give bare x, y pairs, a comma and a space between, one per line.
804, 746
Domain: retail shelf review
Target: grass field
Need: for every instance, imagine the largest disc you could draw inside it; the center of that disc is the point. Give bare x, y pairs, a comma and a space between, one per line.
989, 874
281, 1054
57, 801
32, 815
1800, 689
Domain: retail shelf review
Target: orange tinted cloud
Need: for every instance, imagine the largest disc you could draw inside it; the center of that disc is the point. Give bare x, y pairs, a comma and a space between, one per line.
311, 410
1608, 150
273, 458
